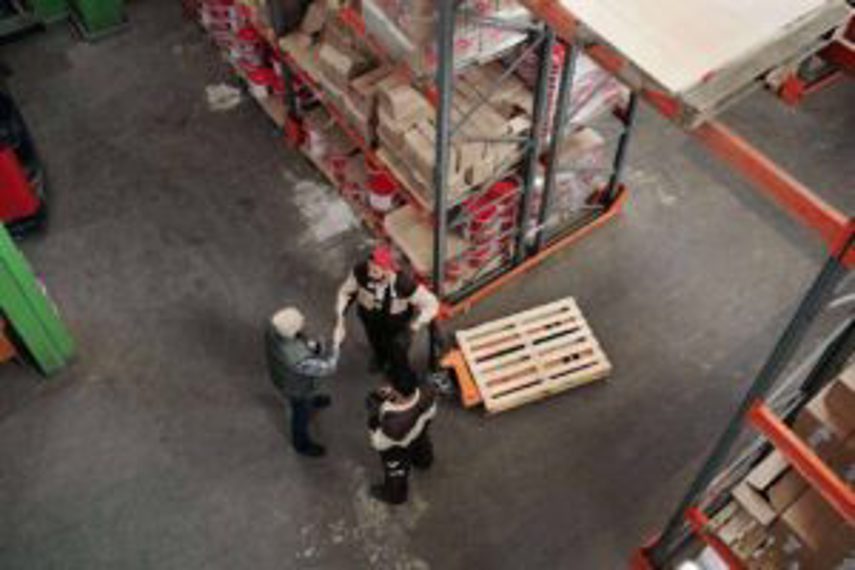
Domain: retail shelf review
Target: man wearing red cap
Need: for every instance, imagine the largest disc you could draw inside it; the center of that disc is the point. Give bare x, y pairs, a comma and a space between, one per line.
391, 305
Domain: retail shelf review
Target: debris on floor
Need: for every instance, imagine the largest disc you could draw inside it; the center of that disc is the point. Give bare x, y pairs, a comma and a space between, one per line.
222, 97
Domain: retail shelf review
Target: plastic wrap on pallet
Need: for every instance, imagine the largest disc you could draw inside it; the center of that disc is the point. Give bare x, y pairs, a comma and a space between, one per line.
407, 29
580, 172
594, 92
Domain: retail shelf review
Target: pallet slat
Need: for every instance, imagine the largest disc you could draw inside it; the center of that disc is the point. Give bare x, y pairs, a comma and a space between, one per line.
544, 372
506, 365
512, 337
535, 393
492, 326
533, 354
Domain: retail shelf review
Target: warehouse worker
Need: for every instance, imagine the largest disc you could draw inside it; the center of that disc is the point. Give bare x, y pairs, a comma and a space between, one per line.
392, 307
398, 423
295, 363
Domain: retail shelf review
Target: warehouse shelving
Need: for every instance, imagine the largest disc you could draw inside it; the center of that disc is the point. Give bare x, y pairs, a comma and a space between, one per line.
521, 247
835, 228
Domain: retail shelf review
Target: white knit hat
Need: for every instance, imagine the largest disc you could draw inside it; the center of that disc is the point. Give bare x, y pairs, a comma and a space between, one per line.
288, 322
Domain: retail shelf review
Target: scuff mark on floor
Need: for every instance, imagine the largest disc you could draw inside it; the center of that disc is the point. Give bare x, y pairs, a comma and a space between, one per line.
379, 527
380, 531
326, 214
222, 97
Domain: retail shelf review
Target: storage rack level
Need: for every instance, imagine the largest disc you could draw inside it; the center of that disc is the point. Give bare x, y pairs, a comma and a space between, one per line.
535, 234
834, 228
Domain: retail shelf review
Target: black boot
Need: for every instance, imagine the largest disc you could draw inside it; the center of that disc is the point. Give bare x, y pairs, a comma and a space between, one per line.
375, 366
310, 449
382, 494
396, 469
321, 401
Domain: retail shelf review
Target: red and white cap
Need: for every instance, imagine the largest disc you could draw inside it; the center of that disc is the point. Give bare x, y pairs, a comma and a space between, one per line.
384, 257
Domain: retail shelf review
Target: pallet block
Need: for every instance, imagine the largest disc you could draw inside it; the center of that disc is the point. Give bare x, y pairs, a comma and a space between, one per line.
532, 355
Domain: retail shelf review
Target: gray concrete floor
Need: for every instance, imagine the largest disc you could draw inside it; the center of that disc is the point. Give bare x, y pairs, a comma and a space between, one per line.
175, 231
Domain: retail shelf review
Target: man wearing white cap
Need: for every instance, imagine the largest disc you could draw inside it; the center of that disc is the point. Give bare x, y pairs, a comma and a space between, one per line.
295, 363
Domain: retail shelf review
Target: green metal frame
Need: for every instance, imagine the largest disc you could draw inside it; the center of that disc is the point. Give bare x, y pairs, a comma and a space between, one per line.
32, 315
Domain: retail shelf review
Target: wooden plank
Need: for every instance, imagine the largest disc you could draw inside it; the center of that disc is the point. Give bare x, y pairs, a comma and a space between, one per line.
532, 354
535, 393
529, 328
568, 344
505, 362
484, 354
542, 375
497, 324
682, 46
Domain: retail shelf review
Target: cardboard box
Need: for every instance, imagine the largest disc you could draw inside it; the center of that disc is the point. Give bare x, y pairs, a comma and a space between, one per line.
841, 398
363, 90
391, 131
404, 104
767, 470
519, 126
769, 488
810, 534
754, 503
843, 462
784, 492
480, 171
337, 67
470, 153
741, 532
420, 152
822, 430
315, 18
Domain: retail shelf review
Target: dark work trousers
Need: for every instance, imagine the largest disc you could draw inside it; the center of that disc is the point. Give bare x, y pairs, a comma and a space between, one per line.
396, 466
390, 341
301, 409
421, 451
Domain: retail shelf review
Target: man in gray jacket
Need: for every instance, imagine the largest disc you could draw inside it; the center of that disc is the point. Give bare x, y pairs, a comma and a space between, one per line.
295, 363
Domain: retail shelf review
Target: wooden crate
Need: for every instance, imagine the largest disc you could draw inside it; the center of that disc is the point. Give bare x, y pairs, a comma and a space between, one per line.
533, 354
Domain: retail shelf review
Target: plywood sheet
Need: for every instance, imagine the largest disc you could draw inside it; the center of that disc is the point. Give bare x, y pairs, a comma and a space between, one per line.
680, 43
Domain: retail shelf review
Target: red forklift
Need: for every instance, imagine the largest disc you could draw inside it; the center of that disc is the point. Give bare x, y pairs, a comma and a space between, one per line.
22, 178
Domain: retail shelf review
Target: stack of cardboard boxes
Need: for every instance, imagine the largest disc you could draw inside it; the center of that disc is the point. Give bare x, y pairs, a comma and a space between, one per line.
407, 130
776, 519
407, 29
340, 65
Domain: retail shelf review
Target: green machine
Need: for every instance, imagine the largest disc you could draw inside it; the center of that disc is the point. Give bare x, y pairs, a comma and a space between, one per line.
17, 17
93, 19
38, 330
96, 19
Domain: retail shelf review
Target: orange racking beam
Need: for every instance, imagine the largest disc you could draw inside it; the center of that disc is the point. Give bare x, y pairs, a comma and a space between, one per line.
815, 471
797, 199
699, 522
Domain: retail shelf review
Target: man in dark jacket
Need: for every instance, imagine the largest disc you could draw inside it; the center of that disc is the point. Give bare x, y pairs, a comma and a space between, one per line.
295, 363
398, 423
392, 307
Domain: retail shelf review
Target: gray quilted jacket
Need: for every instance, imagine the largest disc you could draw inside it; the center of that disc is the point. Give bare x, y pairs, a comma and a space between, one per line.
295, 364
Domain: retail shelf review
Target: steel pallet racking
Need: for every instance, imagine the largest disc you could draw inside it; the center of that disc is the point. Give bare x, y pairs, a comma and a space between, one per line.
538, 232
835, 228
531, 243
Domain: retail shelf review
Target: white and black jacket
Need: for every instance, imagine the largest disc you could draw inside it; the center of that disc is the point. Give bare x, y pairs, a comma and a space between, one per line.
409, 302
398, 424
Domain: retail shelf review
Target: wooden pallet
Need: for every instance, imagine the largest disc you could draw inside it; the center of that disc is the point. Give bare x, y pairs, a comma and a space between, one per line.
532, 355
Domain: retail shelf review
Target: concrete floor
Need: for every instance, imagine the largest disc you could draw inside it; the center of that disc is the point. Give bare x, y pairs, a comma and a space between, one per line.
175, 231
